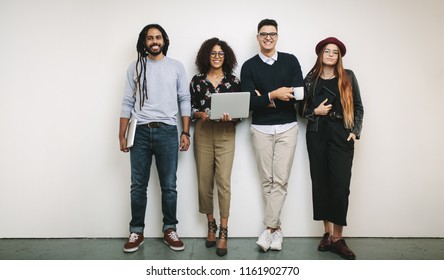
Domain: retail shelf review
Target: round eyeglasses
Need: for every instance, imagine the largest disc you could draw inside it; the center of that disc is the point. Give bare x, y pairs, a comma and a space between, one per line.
214, 54
331, 52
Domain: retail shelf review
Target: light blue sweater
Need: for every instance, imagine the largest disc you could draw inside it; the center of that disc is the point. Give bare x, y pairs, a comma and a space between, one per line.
168, 90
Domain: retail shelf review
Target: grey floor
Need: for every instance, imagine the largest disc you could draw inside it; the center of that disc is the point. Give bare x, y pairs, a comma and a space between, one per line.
238, 249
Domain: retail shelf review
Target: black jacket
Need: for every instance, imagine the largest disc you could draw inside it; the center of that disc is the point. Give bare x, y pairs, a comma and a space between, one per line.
306, 109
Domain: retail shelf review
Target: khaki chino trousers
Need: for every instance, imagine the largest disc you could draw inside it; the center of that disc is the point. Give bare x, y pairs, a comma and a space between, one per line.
274, 156
214, 144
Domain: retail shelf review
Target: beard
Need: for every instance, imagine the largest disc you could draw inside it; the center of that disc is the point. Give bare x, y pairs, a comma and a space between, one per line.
152, 52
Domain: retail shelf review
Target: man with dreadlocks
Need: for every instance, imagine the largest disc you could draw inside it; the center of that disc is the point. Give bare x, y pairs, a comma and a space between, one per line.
155, 90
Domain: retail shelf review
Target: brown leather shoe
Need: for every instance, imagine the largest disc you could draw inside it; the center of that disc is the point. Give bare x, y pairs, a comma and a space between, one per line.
339, 247
325, 243
171, 238
134, 241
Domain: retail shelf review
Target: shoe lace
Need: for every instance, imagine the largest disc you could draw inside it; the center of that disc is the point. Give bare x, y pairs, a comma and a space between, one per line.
265, 236
133, 237
277, 234
173, 235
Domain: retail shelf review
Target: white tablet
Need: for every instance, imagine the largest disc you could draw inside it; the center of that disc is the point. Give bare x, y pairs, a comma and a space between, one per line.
131, 132
236, 104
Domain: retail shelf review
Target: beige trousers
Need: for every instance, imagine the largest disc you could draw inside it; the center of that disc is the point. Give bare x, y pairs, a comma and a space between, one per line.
214, 154
274, 156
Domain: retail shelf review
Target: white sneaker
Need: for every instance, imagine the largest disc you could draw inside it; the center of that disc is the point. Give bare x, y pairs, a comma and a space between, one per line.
276, 240
264, 240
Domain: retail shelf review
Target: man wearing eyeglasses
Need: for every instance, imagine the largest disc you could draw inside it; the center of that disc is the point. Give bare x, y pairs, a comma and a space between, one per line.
270, 77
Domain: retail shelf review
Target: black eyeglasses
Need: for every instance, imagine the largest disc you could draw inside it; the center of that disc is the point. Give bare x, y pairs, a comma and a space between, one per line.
214, 54
264, 35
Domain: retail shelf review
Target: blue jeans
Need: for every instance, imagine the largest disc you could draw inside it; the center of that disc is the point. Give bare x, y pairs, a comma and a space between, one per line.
163, 143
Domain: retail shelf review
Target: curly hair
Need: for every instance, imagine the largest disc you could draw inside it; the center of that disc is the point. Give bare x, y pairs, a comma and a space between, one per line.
142, 53
203, 56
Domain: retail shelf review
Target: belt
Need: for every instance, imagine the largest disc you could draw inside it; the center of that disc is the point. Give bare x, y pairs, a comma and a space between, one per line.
154, 124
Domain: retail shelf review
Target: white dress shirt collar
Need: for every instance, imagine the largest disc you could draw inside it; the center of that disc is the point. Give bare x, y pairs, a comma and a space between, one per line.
269, 60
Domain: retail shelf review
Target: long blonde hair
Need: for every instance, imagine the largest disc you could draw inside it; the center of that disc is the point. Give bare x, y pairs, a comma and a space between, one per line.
344, 85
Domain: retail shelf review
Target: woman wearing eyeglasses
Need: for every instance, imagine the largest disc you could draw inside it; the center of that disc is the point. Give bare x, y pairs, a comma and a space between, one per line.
334, 110
214, 141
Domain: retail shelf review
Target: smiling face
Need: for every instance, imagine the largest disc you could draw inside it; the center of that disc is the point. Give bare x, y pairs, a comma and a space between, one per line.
154, 42
330, 55
267, 38
217, 57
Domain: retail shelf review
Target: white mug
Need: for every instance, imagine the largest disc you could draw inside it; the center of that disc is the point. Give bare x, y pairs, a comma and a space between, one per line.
298, 93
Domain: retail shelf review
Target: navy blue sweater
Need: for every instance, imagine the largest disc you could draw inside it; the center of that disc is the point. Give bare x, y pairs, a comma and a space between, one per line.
257, 75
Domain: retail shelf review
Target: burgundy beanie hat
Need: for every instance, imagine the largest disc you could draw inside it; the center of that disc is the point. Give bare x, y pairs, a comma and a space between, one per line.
331, 40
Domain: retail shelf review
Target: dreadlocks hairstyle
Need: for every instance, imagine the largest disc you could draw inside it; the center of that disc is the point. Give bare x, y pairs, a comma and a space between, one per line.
142, 53
344, 85
203, 56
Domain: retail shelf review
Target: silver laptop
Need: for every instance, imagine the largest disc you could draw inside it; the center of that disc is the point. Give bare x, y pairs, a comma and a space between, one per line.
236, 104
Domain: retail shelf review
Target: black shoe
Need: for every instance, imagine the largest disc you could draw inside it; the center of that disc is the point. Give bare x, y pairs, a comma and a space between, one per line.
325, 243
223, 235
212, 229
339, 247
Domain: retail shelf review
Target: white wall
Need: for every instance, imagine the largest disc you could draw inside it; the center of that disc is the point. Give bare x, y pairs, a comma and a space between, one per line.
62, 68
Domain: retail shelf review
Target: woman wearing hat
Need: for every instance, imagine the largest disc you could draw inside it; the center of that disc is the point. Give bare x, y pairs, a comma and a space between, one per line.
334, 111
